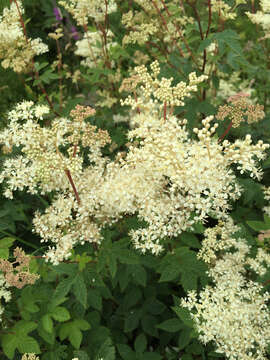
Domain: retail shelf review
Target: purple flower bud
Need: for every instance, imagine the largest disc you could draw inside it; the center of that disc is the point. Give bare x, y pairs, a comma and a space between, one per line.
74, 33
57, 14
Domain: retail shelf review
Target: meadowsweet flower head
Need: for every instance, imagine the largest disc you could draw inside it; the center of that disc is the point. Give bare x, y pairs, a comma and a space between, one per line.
167, 178
30, 356
141, 30
91, 49
16, 51
161, 90
262, 17
223, 9
233, 311
82, 10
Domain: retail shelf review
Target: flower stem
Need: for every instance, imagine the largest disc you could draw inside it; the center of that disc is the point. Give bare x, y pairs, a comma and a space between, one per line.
225, 132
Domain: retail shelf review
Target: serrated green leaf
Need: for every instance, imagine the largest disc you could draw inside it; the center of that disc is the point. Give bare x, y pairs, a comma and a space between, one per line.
81, 355
190, 240
72, 331
28, 344
106, 351
65, 330
170, 273
132, 298
47, 323
154, 306
186, 357
60, 313
126, 352
151, 356
122, 278
55, 302
49, 338
64, 287
189, 280
184, 315
31, 307
131, 322
204, 44
139, 274
9, 345
258, 225
126, 256
184, 338
82, 324
112, 264
149, 323
6, 242
75, 338
24, 327
216, 355
171, 325
79, 289
140, 343
94, 299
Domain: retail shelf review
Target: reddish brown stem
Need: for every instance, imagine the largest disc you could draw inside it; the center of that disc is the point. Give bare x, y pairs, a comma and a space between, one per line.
166, 26
165, 110
209, 18
181, 36
74, 150
253, 6
21, 20
225, 132
266, 282
67, 172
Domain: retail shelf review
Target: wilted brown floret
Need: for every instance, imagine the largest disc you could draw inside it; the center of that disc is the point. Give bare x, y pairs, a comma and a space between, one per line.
240, 110
17, 273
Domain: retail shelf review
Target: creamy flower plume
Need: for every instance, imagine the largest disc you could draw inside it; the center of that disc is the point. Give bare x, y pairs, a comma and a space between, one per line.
167, 178
233, 311
262, 17
16, 51
83, 10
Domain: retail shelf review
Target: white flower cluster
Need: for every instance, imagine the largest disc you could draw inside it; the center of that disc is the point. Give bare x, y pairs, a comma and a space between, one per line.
16, 51
4, 293
141, 30
157, 22
161, 90
224, 10
32, 356
41, 166
83, 10
91, 47
233, 311
266, 191
167, 178
262, 17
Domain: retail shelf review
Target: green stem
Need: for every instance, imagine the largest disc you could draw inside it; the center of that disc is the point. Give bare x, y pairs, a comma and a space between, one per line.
20, 240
